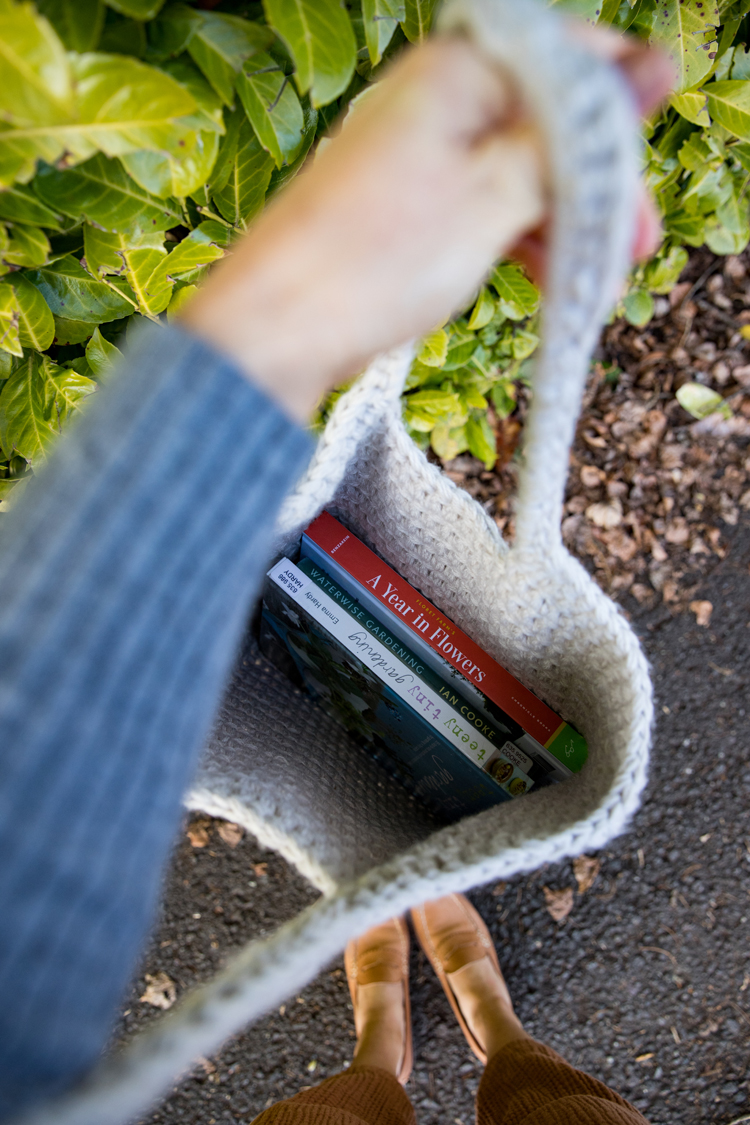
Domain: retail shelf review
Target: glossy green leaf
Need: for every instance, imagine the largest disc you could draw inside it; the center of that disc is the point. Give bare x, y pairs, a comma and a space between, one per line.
123, 36
36, 87
101, 191
124, 105
425, 408
180, 298
137, 9
220, 44
504, 398
227, 155
518, 297
321, 41
524, 344
71, 389
28, 421
701, 401
27, 246
9, 320
380, 19
144, 262
663, 272
36, 325
686, 29
272, 107
693, 106
208, 115
608, 10
481, 439
19, 204
461, 347
729, 104
727, 232
287, 172
170, 33
166, 174
639, 307
242, 197
74, 294
7, 362
202, 246
78, 22
71, 331
417, 19
740, 63
101, 355
434, 349
587, 10
472, 399
134, 257
121, 105
448, 441
686, 227
483, 310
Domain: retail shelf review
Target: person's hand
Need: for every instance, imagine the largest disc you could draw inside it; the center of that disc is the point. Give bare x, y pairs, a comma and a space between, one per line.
438, 173
388, 230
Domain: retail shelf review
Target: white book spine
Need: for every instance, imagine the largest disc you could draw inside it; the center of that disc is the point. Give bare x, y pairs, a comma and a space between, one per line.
402, 681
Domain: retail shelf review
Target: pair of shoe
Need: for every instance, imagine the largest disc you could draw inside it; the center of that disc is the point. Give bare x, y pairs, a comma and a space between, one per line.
451, 933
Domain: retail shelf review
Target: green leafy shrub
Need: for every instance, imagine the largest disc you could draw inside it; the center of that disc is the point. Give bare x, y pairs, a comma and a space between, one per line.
138, 138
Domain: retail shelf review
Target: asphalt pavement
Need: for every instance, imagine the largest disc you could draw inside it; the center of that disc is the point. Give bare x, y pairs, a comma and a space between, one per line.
645, 984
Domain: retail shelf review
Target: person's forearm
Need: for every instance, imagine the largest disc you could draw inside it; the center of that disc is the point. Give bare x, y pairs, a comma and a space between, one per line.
126, 575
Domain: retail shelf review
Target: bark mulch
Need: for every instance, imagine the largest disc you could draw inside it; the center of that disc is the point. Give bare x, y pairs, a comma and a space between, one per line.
651, 492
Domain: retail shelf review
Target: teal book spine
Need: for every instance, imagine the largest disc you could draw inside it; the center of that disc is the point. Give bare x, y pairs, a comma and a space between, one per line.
489, 748
357, 681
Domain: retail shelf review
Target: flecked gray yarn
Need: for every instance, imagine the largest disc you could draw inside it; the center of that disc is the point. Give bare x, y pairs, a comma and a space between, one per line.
276, 765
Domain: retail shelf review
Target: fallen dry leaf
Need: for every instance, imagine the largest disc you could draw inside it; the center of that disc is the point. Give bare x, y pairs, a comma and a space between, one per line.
161, 991
702, 611
619, 544
198, 833
559, 903
591, 477
230, 833
585, 869
261, 870
605, 515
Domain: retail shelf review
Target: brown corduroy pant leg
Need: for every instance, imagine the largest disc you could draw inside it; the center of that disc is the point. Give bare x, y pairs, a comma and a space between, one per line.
530, 1083
525, 1083
362, 1094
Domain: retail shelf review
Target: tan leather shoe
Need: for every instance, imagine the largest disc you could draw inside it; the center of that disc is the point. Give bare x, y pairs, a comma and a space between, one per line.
379, 955
452, 934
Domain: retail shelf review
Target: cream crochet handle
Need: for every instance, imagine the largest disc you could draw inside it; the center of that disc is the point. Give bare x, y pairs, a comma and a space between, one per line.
588, 121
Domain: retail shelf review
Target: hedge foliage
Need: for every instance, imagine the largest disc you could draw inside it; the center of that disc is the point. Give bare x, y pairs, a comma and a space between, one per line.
138, 138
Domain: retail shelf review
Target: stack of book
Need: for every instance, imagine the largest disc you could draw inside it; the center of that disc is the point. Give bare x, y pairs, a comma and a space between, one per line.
458, 730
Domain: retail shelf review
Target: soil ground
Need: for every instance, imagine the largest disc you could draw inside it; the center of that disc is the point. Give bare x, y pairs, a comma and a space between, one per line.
645, 983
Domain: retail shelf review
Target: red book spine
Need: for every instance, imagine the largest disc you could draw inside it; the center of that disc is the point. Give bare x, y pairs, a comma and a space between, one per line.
539, 720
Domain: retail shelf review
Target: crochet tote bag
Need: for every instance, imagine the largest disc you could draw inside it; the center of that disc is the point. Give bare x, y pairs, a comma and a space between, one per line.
277, 765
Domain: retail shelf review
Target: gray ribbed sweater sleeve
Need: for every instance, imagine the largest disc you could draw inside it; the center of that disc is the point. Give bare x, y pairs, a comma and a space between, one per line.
126, 576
